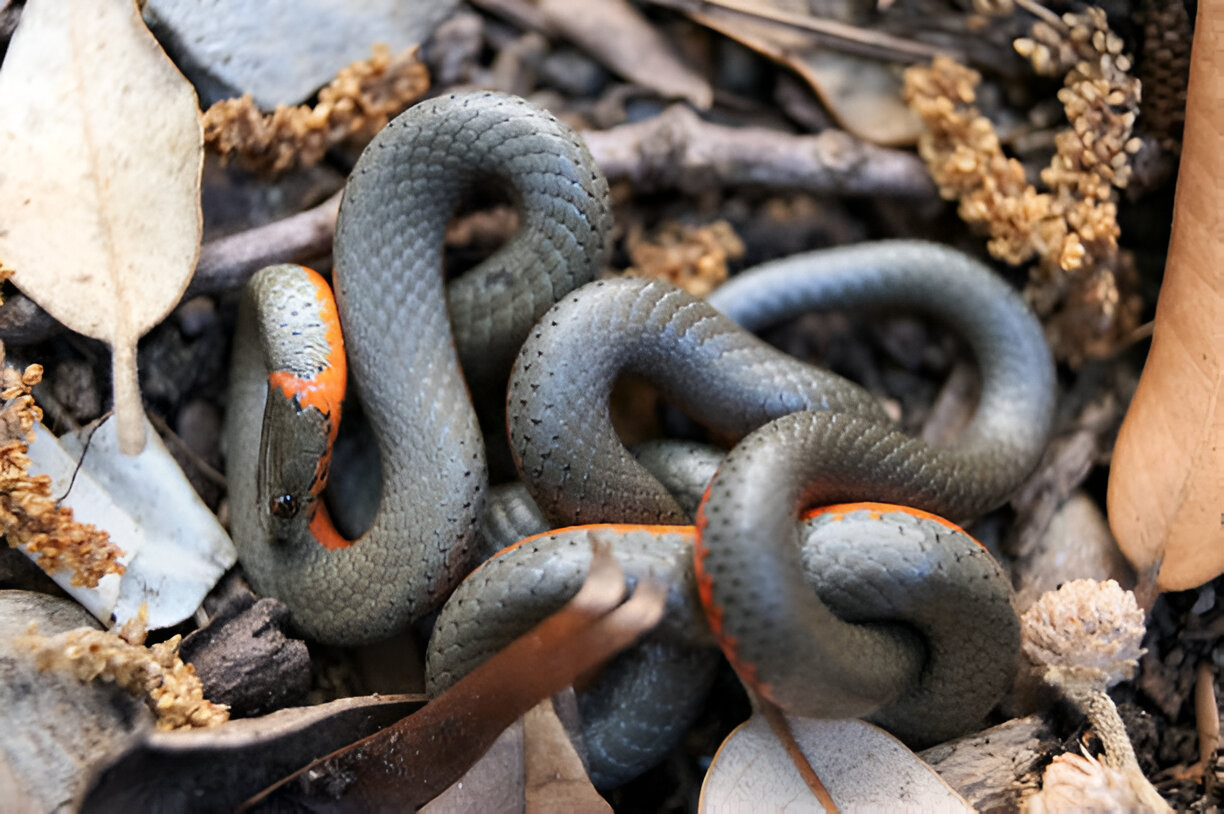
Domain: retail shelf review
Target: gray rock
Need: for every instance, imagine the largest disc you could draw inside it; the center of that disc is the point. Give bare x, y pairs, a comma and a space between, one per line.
282, 51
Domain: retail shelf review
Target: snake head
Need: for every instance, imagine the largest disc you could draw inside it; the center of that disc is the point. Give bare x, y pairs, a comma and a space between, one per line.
294, 458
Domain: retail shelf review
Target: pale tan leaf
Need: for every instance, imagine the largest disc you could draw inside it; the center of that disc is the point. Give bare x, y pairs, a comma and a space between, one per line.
863, 767
556, 780
1166, 483
100, 157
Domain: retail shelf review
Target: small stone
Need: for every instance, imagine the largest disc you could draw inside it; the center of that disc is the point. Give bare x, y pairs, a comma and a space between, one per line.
282, 51
74, 387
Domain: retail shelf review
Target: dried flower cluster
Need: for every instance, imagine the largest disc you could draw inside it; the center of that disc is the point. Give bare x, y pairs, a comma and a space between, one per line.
173, 690
356, 104
1081, 278
1165, 72
1085, 637
1088, 628
692, 257
29, 517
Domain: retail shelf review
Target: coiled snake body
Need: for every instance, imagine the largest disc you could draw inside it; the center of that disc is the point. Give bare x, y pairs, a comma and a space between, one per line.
813, 437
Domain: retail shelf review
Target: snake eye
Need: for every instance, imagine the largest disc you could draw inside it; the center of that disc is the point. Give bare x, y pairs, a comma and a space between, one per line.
284, 506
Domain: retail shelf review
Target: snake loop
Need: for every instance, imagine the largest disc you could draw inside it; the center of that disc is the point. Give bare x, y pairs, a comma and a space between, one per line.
393, 308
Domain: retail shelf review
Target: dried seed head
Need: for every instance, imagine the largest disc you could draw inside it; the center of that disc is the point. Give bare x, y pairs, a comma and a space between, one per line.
1086, 629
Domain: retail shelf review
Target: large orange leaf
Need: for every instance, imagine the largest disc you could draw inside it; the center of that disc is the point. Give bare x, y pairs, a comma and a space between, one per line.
1166, 487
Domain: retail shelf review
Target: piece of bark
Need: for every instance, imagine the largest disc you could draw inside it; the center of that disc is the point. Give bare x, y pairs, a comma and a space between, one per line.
678, 150
991, 768
245, 659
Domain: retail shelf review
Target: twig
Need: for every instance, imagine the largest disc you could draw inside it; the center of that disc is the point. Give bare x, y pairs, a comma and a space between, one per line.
674, 150
841, 36
225, 263
228, 262
1207, 717
678, 150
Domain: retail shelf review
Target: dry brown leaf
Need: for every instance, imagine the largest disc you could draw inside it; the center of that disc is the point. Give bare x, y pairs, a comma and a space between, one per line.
616, 33
494, 784
863, 94
100, 159
863, 767
413, 761
1166, 484
532, 767
216, 769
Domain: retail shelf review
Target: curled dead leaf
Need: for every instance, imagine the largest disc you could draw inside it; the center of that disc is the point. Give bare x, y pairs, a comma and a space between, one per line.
1166, 483
411, 762
216, 769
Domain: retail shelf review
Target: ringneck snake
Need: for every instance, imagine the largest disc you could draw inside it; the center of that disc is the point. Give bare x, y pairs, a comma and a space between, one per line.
872, 639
